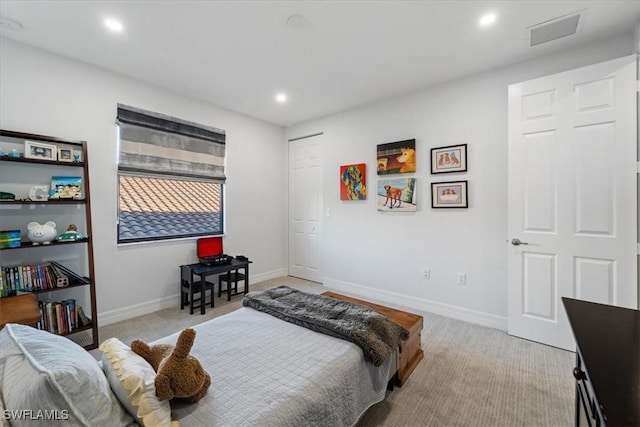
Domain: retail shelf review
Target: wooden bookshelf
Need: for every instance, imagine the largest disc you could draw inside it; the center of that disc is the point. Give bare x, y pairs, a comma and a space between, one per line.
17, 175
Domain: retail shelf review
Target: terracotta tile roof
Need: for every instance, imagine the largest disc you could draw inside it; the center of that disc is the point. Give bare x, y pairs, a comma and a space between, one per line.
143, 194
157, 207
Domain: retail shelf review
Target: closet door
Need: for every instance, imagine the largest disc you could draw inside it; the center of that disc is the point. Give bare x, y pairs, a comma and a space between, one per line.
573, 196
305, 208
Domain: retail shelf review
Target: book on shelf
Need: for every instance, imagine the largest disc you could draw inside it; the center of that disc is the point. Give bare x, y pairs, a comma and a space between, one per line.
61, 317
82, 318
38, 277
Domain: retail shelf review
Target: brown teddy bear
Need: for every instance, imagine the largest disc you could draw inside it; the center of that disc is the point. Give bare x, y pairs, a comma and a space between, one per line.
179, 375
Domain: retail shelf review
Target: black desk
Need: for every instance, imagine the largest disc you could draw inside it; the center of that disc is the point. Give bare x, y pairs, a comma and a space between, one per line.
189, 287
608, 363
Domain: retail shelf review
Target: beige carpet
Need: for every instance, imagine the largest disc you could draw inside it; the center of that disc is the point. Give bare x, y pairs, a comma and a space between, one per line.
470, 375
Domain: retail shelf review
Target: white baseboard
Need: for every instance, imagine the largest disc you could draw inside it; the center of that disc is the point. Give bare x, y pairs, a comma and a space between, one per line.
274, 274
128, 312
418, 304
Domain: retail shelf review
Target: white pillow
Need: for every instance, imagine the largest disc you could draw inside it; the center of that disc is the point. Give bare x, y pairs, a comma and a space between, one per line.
50, 375
3, 419
132, 380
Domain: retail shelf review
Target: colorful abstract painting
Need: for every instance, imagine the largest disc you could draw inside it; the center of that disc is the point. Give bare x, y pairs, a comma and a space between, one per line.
353, 180
397, 195
397, 157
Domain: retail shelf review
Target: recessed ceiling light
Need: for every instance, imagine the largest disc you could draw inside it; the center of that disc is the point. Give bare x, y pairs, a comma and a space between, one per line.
281, 98
487, 20
296, 22
113, 25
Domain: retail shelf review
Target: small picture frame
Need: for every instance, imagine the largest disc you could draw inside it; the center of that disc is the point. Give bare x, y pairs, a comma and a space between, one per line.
451, 194
65, 154
38, 150
452, 158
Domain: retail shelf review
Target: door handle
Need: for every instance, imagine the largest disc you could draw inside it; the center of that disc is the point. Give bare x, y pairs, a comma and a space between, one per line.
518, 242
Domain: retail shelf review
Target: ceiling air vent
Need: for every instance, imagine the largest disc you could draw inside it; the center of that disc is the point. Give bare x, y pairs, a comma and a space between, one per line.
555, 28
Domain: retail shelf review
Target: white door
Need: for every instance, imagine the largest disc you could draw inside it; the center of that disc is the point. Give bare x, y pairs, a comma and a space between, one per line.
305, 208
572, 196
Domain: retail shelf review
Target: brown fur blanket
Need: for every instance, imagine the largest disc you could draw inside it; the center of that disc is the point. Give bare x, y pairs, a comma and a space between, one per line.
373, 332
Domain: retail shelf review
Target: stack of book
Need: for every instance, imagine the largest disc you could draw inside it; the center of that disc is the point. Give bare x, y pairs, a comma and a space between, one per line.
28, 278
61, 317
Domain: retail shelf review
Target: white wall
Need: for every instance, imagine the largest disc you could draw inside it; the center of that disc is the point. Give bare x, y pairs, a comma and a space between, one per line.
382, 255
47, 94
636, 37
364, 252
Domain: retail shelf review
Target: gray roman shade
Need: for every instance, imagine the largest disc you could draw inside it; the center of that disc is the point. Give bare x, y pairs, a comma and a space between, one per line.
157, 144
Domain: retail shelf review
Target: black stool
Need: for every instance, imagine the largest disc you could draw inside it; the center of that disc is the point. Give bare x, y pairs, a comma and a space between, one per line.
231, 278
188, 288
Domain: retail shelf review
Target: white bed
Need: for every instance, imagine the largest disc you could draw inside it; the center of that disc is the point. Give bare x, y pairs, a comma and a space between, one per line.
264, 372
268, 372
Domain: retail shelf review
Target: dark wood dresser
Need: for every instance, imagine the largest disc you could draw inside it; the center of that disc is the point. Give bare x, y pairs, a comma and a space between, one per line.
607, 370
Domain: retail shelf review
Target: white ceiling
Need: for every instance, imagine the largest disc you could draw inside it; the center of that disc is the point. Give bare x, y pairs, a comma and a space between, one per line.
239, 54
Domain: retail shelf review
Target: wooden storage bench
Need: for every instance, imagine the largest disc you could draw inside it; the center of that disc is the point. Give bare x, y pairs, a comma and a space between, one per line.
410, 350
19, 309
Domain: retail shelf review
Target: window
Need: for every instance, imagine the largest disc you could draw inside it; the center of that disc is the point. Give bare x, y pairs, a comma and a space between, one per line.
170, 177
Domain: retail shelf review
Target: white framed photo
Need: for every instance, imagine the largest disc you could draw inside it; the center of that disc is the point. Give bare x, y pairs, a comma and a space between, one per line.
65, 154
41, 151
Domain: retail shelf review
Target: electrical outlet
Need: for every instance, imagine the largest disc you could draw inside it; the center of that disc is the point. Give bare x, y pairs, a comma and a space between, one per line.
426, 274
462, 279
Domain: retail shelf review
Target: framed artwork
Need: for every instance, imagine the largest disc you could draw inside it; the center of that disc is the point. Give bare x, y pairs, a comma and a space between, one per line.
396, 157
353, 180
38, 150
449, 159
65, 154
397, 195
449, 194
66, 187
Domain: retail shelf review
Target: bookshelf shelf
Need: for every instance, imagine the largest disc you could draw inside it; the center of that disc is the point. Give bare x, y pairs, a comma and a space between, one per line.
60, 288
17, 176
44, 202
42, 162
28, 245
76, 330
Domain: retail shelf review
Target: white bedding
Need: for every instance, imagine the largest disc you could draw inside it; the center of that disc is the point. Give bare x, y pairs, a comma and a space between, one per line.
267, 372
